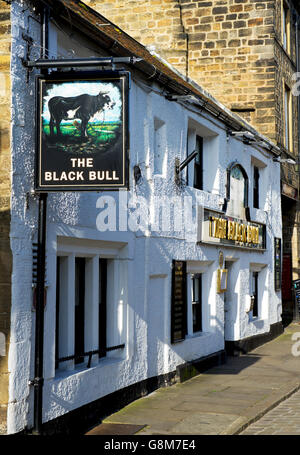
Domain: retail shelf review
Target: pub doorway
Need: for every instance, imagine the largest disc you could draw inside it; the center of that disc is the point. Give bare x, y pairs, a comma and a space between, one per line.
231, 299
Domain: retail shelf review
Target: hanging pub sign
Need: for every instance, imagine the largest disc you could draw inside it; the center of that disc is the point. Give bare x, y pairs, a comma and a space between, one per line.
82, 131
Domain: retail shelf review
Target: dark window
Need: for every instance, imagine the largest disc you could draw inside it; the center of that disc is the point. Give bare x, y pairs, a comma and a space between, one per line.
288, 118
256, 187
79, 307
198, 166
255, 293
286, 27
57, 312
187, 151
102, 306
197, 302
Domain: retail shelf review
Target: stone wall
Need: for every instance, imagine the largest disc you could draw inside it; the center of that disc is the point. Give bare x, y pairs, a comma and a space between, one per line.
154, 23
5, 167
225, 46
232, 48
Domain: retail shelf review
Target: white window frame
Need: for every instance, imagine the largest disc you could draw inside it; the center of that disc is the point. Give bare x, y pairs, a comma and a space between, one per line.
255, 162
190, 328
210, 154
288, 116
198, 268
261, 297
286, 26
116, 327
160, 151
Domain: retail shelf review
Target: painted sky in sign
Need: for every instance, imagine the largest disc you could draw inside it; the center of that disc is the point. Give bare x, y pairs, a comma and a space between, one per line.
90, 88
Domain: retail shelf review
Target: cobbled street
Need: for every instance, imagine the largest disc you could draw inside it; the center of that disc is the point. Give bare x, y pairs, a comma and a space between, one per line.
282, 420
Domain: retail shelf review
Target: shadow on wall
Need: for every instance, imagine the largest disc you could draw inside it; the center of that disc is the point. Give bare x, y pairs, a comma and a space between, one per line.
5, 282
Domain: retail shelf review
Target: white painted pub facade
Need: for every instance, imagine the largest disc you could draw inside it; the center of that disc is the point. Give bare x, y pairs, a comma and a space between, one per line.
167, 272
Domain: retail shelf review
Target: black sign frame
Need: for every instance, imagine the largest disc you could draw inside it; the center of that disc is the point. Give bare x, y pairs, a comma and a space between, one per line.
119, 153
277, 264
178, 302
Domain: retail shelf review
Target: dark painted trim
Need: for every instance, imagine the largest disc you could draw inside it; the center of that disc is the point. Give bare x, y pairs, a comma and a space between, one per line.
190, 369
81, 420
235, 348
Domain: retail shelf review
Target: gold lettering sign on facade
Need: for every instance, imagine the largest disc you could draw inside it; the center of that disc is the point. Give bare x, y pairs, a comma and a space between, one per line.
221, 228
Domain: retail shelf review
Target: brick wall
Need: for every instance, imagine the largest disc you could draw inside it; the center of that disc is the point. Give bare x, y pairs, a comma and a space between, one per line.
5, 167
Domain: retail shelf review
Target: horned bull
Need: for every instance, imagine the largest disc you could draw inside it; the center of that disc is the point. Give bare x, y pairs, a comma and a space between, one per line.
82, 107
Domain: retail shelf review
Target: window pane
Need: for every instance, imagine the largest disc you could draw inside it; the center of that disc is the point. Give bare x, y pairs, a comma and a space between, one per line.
255, 292
284, 24
195, 296
256, 188
286, 119
197, 302
237, 192
236, 173
198, 166
197, 317
57, 312
102, 306
79, 307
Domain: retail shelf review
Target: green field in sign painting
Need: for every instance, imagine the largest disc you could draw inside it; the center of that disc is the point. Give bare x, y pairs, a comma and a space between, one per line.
100, 132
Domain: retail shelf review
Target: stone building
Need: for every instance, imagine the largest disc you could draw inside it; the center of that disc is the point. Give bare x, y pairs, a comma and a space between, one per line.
5, 205
144, 286
244, 52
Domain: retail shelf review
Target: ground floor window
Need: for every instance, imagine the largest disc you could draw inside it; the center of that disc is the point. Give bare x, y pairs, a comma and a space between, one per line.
90, 309
255, 294
187, 299
197, 302
79, 308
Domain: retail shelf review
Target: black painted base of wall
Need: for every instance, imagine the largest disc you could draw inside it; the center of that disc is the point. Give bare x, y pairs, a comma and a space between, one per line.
86, 417
79, 421
235, 348
188, 370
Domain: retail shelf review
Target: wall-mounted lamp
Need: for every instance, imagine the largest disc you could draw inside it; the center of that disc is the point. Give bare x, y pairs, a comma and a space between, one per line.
190, 98
180, 166
284, 160
247, 136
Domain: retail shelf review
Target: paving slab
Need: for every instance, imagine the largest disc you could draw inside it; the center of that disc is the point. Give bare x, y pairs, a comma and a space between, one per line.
226, 399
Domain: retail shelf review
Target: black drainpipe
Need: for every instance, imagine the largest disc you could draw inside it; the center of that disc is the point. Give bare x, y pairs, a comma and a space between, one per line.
41, 272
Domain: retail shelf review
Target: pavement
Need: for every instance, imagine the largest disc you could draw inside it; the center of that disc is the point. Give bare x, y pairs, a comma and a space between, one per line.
224, 400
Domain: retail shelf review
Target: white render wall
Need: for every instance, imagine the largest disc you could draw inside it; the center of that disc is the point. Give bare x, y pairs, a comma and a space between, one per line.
144, 258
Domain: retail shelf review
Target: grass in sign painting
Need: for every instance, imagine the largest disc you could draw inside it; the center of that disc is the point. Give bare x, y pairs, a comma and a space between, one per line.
99, 132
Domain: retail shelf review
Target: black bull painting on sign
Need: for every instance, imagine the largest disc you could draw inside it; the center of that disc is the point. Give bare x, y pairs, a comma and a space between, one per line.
82, 131
82, 107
